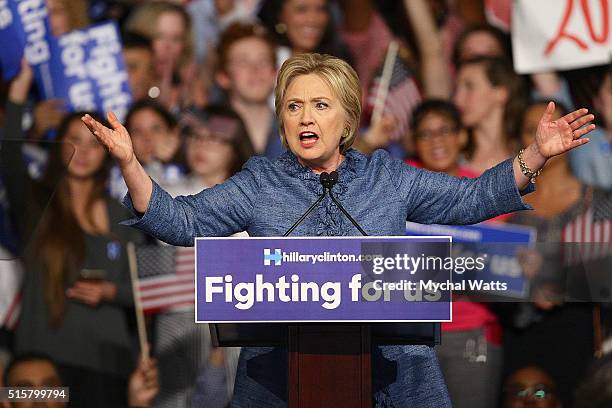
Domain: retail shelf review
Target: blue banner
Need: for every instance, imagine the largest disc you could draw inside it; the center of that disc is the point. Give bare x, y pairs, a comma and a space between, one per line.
84, 67
88, 71
332, 279
498, 243
24, 30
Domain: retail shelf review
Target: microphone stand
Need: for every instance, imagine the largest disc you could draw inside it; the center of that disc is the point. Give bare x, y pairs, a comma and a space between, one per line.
328, 180
333, 179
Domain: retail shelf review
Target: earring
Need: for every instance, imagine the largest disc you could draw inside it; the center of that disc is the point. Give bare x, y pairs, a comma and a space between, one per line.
281, 28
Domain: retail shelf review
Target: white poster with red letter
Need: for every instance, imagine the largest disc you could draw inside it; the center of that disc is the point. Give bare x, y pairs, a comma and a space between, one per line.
552, 35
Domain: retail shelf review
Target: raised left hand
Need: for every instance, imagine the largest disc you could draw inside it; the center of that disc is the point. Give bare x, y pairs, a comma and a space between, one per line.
555, 137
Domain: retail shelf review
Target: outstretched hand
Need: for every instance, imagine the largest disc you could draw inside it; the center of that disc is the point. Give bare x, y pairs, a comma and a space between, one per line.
555, 137
116, 139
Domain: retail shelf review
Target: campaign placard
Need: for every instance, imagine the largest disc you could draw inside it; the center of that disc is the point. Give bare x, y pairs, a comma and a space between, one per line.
331, 279
84, 67
87, 70
549, 35
497, 243
25, 31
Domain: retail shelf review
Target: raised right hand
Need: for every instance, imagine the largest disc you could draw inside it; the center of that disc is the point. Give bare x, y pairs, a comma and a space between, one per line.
117, 140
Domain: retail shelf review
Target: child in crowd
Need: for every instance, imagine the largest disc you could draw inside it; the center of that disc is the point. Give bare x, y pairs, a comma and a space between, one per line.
247, 73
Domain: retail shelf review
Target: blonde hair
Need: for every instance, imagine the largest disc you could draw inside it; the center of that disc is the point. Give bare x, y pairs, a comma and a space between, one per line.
143, 21
341, 78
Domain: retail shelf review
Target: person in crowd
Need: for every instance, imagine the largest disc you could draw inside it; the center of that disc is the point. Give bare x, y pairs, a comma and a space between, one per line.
156, 131
438, 138
216, 147
33, 371
594, 165
368, 38
301, 26
481, 40
211, 19
247, 72
66, 16
595, 391
484, 40
168, 25
138, 57
439, 141
565, 213
77, 294
490, 97
530, 386
39, 371
156, 143
318, 103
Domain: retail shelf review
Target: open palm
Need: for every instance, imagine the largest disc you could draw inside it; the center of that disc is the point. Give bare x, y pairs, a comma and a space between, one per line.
555, 137
117, 140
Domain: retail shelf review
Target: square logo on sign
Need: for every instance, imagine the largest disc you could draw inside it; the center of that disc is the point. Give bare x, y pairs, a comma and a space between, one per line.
277, 257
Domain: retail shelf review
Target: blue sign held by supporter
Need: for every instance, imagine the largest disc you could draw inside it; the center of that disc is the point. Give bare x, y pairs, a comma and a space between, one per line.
83, 67
88, 71
24, 31
498, 243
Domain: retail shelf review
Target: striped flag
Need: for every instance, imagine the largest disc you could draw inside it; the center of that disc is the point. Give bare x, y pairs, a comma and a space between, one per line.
166, 277
592, 229
403, 96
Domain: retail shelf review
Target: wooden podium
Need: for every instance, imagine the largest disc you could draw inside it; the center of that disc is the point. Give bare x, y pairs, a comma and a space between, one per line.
329, 364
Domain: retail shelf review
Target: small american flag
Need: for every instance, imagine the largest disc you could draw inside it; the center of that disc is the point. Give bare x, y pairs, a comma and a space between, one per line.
166, 277
592, 228
403, 96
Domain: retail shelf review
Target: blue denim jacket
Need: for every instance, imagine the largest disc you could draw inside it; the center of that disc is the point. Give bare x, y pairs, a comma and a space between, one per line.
381, 193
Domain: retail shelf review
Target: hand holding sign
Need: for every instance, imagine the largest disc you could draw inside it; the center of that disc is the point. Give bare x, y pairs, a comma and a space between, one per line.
554, 137
117, 140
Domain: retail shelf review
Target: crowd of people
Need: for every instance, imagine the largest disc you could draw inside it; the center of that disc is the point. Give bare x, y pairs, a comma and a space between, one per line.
202, 75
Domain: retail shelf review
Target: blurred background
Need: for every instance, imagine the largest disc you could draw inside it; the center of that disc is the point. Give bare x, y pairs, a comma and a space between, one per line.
452, 86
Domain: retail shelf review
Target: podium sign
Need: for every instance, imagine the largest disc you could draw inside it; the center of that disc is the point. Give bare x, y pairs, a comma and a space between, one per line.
331, 279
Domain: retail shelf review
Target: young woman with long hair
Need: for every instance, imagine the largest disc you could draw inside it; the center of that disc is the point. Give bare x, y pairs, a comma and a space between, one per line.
77, 293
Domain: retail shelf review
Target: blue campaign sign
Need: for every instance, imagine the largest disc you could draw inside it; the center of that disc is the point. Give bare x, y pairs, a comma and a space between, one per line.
84, 67
498, 243
332, 279
88, 71
12, 41
24, 30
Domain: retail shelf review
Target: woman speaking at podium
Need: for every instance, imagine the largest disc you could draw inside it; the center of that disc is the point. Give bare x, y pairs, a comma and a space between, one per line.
318, 105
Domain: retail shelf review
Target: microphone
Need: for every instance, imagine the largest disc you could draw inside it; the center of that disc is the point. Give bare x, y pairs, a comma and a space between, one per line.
331, 180
324, 179
328, 181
